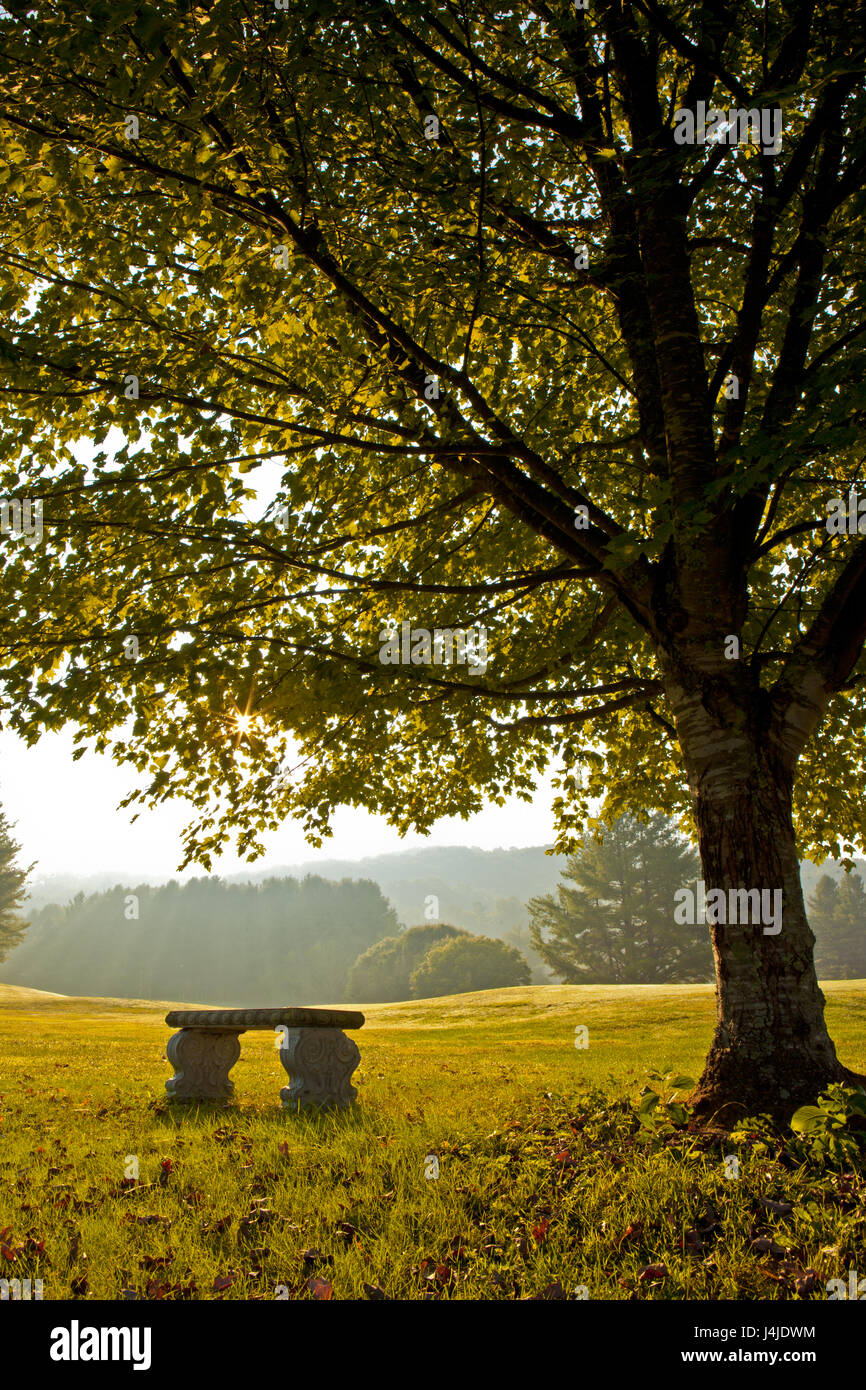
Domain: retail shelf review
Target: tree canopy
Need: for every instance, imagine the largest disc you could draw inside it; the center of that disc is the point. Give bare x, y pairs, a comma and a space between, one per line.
411, 315
437, 385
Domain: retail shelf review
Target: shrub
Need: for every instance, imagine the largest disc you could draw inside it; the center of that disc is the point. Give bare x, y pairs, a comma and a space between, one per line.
383, 972
467, 963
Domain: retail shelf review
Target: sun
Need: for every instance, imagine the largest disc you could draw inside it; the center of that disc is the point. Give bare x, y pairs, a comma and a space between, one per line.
242, 722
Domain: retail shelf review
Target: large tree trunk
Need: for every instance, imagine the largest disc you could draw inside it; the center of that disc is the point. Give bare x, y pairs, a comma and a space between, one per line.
771, 1051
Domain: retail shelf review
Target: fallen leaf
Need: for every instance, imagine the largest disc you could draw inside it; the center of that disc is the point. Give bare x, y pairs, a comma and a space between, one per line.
157, 1261
313, 1257
221, 1224
156, 1289
778, 1208
631, 1232
320, 1288
553, 1291
762, 1245
693, 1242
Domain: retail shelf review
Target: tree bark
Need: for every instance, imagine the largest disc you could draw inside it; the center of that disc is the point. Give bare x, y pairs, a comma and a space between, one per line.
771, 1051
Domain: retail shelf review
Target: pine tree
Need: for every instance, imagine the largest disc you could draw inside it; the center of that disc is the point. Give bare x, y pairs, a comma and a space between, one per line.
616, 925
12, 880
837, 912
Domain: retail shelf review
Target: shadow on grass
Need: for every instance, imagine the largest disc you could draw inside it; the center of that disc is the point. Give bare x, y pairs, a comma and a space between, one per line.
318, 1121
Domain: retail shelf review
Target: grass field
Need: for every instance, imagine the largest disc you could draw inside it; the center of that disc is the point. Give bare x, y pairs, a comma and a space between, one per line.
542, 1187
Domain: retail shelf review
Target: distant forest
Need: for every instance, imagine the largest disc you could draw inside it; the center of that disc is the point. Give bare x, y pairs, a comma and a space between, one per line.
293, 934
482, 891
280, 941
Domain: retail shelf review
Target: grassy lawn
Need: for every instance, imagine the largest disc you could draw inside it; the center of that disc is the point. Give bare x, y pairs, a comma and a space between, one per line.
542, 1182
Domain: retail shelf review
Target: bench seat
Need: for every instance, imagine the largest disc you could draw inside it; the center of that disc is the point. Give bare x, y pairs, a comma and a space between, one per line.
239, 1020
314, 1050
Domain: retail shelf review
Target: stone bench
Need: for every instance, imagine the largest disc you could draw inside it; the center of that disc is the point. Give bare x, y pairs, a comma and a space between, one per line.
315, 1052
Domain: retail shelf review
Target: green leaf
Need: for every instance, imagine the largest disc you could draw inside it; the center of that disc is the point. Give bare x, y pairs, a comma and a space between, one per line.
808, 1119
677, 1112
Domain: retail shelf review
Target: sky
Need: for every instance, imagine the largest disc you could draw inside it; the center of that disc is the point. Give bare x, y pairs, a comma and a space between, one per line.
68, 822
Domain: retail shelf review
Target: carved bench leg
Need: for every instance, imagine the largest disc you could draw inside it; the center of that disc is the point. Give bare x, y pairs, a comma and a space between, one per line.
320, 1062
202, 1061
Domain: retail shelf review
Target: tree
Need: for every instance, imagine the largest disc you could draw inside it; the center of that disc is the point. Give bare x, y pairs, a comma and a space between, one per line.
510, 339
468, 963
12, 880
383, 972
616, 926
281, 941
838, 911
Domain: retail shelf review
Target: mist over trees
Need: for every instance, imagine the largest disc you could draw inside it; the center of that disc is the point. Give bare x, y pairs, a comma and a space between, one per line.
91, 946
485, 891
837, 911
283, 941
